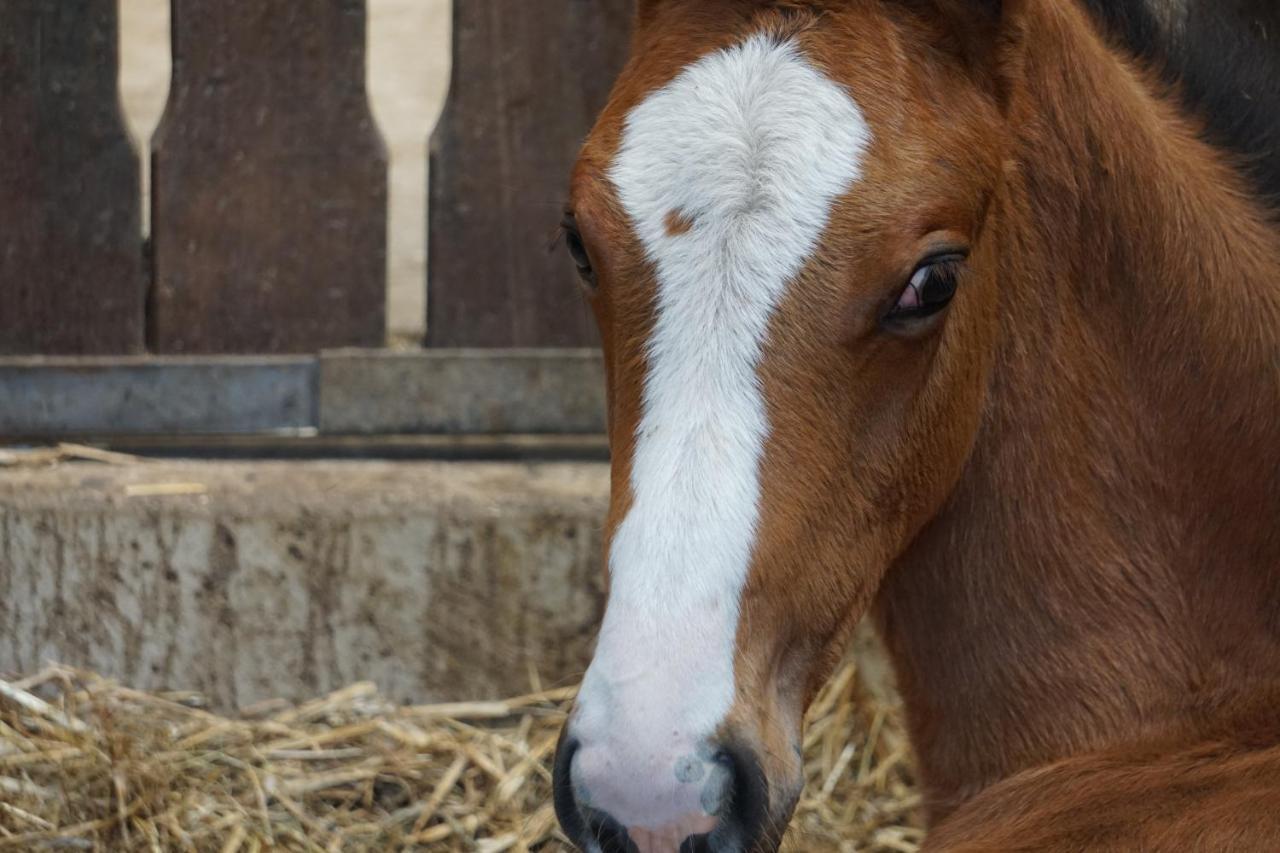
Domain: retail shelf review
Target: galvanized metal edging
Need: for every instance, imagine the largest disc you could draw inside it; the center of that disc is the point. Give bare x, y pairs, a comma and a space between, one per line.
343, 392
59, 397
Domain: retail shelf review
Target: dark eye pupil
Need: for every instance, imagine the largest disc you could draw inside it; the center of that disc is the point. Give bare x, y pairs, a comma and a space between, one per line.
577, 251
939, 285
930, 290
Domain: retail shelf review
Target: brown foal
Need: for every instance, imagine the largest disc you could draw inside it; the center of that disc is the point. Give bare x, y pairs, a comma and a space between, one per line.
939, 311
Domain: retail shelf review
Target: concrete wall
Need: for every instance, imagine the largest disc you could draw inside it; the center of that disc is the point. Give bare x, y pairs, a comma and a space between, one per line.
437, 581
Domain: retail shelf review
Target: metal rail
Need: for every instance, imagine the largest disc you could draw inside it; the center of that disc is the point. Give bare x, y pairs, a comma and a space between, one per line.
337, 393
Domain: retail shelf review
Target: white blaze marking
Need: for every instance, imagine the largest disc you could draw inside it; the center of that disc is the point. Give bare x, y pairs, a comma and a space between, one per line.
754, 146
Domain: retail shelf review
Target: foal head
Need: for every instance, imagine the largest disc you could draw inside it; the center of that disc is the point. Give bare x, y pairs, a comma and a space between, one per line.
782, 224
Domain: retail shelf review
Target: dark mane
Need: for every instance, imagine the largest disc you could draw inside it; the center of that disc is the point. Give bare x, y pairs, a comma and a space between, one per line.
1224, 56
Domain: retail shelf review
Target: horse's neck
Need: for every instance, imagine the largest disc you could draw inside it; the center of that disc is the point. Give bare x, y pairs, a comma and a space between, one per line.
1109, 566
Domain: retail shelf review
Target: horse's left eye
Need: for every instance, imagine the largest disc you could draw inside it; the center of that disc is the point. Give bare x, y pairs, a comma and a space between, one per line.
577, 249
931, 289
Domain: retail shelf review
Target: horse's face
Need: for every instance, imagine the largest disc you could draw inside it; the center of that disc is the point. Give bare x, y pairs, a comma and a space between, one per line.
780, 220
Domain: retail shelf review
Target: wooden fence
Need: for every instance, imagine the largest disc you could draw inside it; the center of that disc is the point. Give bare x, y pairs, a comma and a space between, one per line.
269, 201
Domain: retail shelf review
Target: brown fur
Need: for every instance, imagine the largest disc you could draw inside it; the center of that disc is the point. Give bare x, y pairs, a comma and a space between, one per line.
678, 223
1059, 500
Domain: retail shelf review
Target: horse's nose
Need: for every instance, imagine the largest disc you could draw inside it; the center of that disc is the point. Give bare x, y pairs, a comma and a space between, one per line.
704, 799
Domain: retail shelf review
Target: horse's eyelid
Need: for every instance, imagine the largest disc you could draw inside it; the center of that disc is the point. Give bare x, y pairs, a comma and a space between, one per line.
945, 256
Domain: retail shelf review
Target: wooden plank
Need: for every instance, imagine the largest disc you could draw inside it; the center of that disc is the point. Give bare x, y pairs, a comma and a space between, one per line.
71, 269
270, 193
528, 80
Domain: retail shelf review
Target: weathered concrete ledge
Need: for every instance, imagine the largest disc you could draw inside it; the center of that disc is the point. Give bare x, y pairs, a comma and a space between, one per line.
249, 581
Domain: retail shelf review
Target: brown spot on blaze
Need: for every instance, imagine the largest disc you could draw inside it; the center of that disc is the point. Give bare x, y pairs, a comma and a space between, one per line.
678, 222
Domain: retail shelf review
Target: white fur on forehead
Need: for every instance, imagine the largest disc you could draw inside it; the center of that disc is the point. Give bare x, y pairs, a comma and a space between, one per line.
738, 142
752, 146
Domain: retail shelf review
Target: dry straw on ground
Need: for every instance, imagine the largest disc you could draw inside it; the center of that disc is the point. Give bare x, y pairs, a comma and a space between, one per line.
88, 765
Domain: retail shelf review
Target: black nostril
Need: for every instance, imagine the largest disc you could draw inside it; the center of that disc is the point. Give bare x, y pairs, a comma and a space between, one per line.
697, 844
745, 813
609, 834
562, 794
582, 824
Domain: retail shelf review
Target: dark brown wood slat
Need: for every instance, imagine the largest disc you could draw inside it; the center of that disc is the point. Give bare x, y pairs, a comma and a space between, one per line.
528, 80
71, 269
270, 182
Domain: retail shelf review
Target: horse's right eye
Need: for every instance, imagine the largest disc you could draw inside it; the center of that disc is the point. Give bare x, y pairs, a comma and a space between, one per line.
577, 249
931, 289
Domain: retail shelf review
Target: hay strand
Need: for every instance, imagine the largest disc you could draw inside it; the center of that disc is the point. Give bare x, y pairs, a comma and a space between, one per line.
86, 764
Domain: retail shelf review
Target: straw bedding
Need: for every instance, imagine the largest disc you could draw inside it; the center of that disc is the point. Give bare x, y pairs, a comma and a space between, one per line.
86, 764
